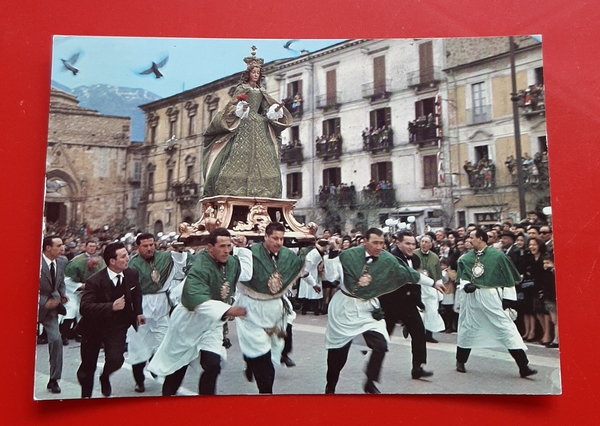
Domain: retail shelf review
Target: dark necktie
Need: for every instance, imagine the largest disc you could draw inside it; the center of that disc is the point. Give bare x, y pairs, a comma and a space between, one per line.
371, 259
118, 281
53, 274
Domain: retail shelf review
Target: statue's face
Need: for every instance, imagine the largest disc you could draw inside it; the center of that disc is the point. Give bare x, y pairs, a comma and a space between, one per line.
254, 75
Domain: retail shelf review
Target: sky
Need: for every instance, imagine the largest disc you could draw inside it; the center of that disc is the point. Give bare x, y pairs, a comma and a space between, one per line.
191, 62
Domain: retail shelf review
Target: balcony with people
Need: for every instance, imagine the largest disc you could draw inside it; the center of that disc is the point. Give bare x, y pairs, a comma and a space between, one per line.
531, 101
424, 130
378, 194
292, 153
342, 195
535, 170
379, 139
329, 147
482, 175
294, 104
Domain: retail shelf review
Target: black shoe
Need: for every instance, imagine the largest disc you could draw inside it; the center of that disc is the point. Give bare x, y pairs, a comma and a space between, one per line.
418, 373
552, 345
287, 361
65, 341
105, 386
53, 386
140, 388
371, 388
525, 372
405, 332
430, 339
42, 340
317, 312
329, 390
248, 374
460, 367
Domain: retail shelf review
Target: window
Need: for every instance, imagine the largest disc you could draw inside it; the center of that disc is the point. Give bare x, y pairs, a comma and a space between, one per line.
191, 127
462, 218
331, 126
380, 118
481, 153
479, 103
294, 185
379, 75
382, 172
169, 182
426, 62
332, 176
153, 135
151, 168
189, 173
430, 171
331, 82
424, 107
137, 171
172, 113
539, 75
135, 198
294, 134
542, 144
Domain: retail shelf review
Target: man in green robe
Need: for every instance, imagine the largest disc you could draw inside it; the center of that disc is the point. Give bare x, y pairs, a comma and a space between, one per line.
369, 272
487, 281
262, 331
198, 323
155, 269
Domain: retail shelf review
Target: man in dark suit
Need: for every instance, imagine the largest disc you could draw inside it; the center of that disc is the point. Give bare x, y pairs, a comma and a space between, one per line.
52, 294
402, 304
111, 302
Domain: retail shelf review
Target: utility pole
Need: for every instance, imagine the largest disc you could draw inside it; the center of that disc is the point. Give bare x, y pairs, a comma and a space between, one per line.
515, 99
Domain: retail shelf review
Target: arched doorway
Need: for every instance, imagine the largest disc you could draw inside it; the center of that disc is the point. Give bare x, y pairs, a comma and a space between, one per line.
158, 227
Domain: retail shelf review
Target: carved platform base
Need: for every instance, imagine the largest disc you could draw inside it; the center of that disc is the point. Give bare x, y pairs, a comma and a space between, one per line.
247, 216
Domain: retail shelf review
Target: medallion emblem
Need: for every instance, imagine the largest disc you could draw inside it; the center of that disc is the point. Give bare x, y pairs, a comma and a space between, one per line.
275, 283
477, 269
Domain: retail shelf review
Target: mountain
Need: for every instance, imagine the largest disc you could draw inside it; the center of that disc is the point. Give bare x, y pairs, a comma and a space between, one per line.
111, 100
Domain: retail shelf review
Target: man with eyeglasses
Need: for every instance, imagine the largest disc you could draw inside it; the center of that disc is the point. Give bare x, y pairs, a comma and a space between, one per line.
546, 236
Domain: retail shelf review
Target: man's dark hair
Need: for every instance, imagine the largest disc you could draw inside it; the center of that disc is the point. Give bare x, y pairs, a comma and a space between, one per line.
404, 233
375, 231
145, 236
91, 241
110, 251
480, 233
216, 233
47, 242
274, 226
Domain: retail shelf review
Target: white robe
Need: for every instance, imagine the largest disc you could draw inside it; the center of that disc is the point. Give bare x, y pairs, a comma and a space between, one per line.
431, 317
189, 333
306, 288
483, 323
260, 316
144, 342
349, 317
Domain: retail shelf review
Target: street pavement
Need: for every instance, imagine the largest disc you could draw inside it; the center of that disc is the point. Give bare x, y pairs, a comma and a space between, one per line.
489, 371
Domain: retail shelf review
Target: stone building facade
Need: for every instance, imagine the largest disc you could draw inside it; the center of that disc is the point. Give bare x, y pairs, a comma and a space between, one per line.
481, 154
86, 170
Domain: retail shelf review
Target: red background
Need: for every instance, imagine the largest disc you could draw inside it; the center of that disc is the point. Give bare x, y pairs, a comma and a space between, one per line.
571, 60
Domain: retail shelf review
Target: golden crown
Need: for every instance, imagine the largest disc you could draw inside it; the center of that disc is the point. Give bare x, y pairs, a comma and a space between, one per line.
252, 61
